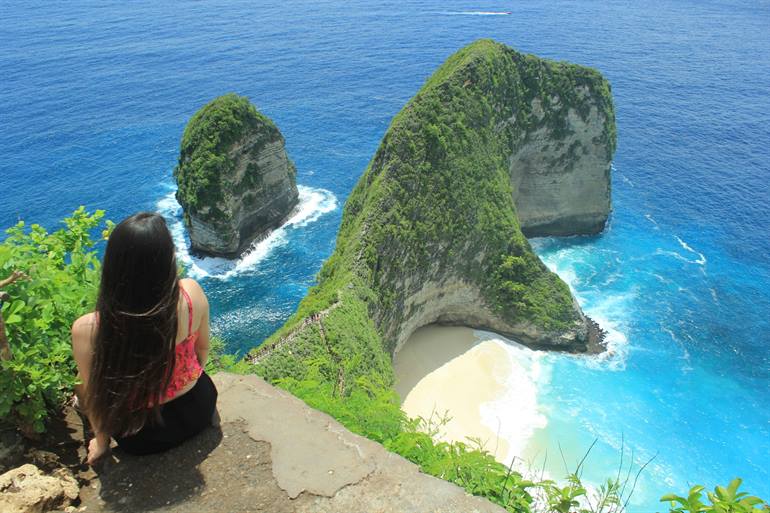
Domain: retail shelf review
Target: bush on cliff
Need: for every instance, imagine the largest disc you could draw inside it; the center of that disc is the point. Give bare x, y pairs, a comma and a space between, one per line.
63, 270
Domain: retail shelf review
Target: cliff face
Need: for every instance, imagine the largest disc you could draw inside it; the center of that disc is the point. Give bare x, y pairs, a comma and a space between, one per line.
235, 180
561, 173
431, 231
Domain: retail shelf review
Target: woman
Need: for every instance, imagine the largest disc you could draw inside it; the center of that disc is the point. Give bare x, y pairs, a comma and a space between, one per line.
141, 354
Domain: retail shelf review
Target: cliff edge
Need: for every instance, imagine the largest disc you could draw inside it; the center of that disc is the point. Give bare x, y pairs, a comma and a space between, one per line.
235, 180
496, 144
271, 453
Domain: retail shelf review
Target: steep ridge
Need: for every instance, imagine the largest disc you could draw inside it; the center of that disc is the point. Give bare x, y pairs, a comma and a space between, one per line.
431, 232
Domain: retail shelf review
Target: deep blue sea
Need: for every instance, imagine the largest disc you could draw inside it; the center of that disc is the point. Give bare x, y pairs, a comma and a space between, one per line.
94, 97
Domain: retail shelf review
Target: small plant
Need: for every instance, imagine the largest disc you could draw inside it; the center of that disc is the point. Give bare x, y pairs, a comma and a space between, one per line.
219, 360
721, 500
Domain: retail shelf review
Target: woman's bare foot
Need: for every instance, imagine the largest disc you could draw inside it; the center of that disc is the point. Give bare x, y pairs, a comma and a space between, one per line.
97, 449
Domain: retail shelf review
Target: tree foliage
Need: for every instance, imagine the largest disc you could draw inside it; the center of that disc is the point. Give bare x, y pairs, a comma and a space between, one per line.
724, 499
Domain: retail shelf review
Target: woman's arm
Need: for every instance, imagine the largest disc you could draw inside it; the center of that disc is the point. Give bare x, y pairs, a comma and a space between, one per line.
200, 305
204, 335
82, 351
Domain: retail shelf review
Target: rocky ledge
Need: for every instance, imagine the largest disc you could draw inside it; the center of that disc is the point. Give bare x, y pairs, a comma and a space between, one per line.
270, 453
235, 181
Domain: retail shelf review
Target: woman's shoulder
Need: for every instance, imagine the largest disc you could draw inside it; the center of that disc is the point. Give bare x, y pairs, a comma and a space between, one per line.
195, 291
84, 324
82, 330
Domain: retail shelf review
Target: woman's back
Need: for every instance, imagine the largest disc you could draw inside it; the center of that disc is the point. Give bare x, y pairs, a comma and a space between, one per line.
187, 367
146, 344
190, 346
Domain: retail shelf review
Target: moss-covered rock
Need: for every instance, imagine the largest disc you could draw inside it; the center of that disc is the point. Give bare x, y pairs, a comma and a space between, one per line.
431, 233
235, 180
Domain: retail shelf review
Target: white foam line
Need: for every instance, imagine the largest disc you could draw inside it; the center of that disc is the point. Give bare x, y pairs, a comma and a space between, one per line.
313, 203
516, 414
678, 256
614, 358
701, 258
475, 13
686, 367
607, 310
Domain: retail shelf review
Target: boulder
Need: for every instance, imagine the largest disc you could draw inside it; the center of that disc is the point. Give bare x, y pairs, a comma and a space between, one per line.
26, 489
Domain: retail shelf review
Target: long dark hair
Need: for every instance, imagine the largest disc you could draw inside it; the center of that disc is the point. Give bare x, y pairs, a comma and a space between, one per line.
136, 326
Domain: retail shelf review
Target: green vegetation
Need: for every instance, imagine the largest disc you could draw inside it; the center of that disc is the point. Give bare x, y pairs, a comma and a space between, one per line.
63, 271
722, 500
205, 167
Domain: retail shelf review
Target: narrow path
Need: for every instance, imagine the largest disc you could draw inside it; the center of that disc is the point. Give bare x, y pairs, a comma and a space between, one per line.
263, 352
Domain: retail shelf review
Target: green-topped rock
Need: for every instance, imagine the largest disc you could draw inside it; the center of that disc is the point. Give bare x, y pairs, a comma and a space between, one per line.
235, 181
431, 232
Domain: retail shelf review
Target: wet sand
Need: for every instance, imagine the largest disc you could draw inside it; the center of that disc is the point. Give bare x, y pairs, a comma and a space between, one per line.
454, 371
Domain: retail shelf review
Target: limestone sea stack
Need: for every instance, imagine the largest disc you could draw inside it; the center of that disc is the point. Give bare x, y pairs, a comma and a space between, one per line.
235, 181
497, 145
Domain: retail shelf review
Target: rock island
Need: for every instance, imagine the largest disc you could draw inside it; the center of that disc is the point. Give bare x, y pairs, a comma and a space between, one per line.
235, 181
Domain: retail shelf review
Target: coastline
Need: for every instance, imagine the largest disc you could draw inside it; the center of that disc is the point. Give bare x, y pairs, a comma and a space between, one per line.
486, 384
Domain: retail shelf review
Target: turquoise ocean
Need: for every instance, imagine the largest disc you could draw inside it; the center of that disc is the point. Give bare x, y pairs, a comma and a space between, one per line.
94, 97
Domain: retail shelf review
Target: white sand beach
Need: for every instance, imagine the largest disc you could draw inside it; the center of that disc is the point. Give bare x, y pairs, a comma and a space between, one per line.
484, 383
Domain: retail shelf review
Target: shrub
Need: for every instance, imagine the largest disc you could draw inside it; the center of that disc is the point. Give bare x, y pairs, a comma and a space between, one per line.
219, 360
63, 276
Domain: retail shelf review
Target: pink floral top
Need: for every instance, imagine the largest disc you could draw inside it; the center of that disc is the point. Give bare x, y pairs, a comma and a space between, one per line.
187, 368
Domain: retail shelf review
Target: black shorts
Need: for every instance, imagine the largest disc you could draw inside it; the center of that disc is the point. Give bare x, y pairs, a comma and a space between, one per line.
182, 418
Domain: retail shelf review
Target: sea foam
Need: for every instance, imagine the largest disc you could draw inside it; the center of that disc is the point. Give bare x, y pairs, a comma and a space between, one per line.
611, 310
515, 414
475, 13
313, 203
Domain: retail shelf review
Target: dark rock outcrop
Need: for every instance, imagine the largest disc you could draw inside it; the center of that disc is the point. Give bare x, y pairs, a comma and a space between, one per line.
235, 181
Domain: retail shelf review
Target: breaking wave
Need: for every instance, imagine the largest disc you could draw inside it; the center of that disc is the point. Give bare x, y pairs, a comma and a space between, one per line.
313, 203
